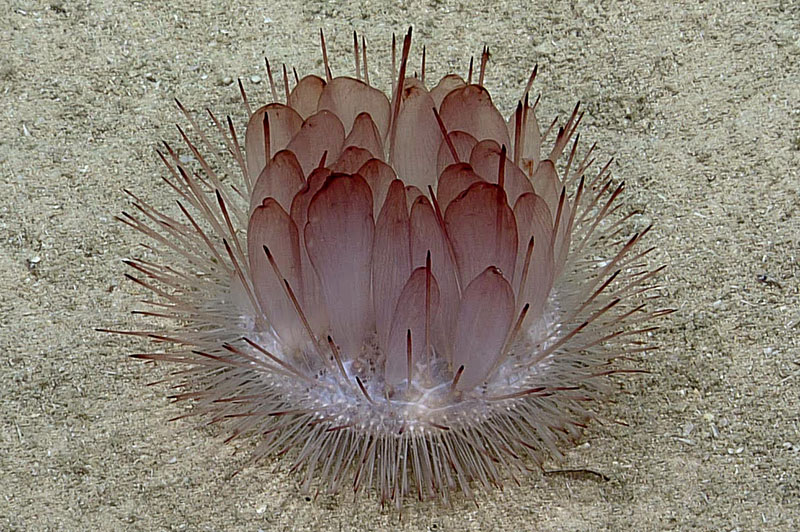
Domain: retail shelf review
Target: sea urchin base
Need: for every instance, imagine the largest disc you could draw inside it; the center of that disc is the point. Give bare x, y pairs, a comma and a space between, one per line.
404, 291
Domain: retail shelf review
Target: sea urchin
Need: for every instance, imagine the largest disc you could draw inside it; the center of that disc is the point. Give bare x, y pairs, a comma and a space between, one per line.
405, 291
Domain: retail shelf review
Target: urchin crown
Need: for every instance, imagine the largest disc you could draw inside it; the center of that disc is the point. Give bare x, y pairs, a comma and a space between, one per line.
404, 290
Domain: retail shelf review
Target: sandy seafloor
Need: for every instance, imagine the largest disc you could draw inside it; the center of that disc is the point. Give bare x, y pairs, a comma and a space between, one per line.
697, 102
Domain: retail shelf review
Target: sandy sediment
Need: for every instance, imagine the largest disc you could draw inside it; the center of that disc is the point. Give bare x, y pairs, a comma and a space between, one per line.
697, 103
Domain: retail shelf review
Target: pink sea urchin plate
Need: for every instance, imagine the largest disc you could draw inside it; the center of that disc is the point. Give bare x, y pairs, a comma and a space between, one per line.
406, 293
